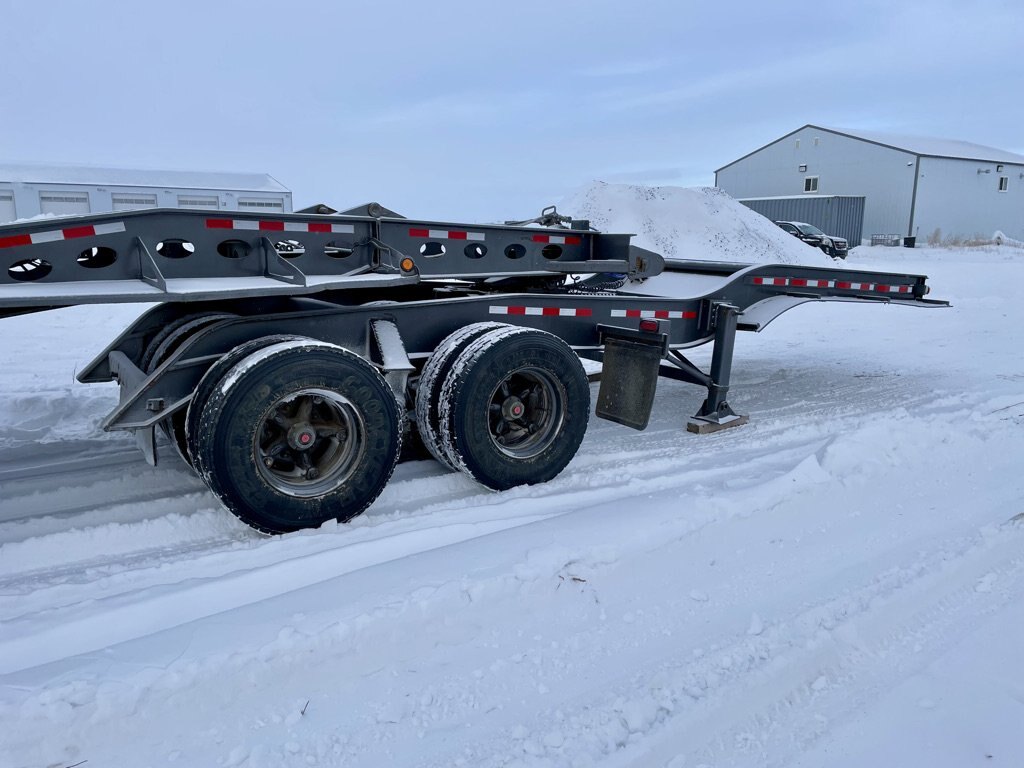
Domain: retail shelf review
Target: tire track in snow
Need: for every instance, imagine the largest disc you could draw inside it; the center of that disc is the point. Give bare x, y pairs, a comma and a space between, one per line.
419, 503
410, 500
765, 696
437, 502
59, 460
769, 717
99, 626
67, 480
68, 590
70, 594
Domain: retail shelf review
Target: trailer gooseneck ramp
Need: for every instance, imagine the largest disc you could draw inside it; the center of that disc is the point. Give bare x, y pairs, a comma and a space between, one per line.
289, 356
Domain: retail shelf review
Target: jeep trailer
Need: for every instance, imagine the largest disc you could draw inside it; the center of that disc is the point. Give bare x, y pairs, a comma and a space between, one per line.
290, 354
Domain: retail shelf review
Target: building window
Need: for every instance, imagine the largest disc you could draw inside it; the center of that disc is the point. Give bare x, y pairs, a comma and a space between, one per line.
265, 204
999, 169
811, 184
798, 143
198, 201
1004, 183
803, 168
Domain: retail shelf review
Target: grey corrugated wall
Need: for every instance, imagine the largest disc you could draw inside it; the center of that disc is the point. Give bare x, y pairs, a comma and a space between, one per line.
835, 214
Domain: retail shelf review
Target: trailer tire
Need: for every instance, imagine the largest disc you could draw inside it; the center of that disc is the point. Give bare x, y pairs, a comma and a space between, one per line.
432, 378
161, 347
296, 434
174, 334
212, 378
514, 409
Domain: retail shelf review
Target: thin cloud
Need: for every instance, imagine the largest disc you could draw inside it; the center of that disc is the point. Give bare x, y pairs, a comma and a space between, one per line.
624, 68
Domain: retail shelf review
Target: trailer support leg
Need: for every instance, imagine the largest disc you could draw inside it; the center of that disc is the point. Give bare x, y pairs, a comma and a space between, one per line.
715, 414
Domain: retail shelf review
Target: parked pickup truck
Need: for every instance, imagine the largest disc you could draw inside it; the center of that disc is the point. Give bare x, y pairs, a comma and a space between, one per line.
836, 247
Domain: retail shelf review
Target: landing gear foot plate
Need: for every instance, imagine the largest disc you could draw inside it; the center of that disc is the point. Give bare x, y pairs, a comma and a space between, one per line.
703, 426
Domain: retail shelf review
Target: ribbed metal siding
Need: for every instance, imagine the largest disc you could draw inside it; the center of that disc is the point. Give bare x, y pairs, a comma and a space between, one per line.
836, 215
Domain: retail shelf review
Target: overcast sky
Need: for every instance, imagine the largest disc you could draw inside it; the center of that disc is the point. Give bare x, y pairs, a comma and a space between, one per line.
485, 111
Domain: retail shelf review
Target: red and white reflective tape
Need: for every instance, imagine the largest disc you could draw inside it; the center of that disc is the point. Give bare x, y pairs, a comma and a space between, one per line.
657, 314
842, 285
281, 226
557, 239
57, 235
445, 234
542, 311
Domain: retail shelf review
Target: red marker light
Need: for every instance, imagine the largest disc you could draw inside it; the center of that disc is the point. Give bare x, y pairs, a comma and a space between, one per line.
650, 326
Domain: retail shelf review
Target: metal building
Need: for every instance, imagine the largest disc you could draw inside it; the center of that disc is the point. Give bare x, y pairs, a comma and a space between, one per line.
31, 190
912, 186
841, 215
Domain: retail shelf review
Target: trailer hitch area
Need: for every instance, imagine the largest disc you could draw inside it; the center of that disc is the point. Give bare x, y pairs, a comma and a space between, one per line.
629, 375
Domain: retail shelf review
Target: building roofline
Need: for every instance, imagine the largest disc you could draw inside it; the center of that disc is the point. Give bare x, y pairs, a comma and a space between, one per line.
96, 176
119, 185
877, 143
948, 156
764, 146
861, 138
797, 197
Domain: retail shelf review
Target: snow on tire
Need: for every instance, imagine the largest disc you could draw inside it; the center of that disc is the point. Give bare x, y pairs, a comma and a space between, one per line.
211, 379
298, 433
514, 408
432, 378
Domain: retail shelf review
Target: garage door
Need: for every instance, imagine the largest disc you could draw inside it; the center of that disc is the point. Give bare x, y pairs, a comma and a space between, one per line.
132, 201
7, 212
261, 204
198, 201
64, 203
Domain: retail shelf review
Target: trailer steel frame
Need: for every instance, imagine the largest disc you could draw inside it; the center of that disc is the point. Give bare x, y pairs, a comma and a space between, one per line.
395, 292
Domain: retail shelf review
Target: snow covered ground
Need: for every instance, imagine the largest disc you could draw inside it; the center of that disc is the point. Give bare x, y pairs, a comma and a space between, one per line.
838, 583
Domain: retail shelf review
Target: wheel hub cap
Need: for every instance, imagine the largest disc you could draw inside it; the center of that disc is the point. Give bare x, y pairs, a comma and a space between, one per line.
301, 437
309, 442
513, 408
526, 412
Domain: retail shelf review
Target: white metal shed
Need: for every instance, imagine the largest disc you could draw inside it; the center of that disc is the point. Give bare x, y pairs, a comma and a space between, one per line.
912, 185
28, 190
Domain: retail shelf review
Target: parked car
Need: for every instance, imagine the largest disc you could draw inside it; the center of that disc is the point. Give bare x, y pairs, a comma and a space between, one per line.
836, 247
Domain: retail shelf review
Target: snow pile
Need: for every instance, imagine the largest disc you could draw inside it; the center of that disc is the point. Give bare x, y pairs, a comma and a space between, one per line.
688, 223
999, 238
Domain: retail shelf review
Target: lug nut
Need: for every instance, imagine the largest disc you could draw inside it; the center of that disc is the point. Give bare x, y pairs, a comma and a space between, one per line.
312, 473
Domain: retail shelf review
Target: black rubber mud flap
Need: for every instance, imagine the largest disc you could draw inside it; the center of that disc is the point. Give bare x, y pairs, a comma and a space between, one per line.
629, 379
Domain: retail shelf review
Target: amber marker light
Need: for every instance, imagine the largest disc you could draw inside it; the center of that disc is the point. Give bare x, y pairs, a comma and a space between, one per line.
408, 265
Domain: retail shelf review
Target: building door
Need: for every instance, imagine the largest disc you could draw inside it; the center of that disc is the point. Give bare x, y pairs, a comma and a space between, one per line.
7, 212
64, 203
198, 201
261, 204
132, 201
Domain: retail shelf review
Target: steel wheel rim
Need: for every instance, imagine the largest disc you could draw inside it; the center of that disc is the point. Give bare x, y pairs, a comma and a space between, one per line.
309, 442
525, 412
